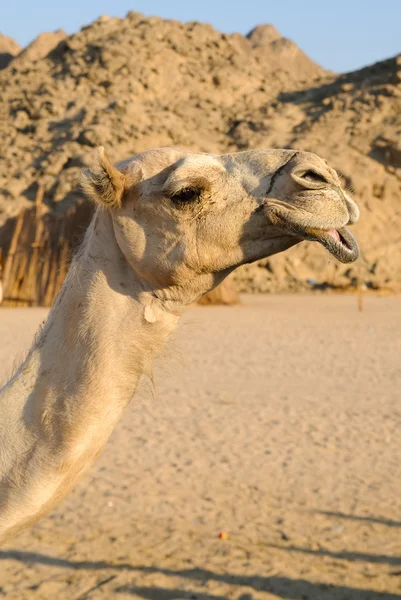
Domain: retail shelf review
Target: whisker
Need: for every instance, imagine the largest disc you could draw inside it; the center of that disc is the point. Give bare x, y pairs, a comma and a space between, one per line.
345, 181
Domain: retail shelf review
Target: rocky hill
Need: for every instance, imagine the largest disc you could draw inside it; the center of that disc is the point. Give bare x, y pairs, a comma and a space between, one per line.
135, 83
39, 47
8, 50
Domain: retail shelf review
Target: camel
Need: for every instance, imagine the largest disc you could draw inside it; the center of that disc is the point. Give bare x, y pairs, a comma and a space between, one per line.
169, 226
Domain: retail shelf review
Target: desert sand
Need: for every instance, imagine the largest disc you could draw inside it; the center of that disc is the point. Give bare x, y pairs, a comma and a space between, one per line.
277, 423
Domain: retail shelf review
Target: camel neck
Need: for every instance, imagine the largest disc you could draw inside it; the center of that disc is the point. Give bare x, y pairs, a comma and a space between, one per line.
64, 401
90, 354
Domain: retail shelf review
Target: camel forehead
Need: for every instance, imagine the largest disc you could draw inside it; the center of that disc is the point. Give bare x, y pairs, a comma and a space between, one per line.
151, 161
255, 162
270, 159
157, 160
201, 161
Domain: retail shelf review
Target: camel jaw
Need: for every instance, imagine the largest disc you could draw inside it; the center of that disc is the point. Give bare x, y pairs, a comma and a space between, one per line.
339, 242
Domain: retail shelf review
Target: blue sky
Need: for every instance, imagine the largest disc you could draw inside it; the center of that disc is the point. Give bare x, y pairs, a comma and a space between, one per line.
340, 35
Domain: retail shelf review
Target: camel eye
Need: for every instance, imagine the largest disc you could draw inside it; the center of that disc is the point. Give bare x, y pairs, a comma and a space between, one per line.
186, 196
314, 177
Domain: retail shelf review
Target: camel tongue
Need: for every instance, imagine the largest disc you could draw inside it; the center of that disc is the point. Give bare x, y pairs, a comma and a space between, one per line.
334, 234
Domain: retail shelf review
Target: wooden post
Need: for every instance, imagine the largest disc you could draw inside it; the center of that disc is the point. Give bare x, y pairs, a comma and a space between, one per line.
32, 278
360, 298
1, 276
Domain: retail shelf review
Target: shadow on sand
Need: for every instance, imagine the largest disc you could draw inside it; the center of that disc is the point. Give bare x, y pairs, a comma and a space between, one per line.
344, 555
377, 520
283, 587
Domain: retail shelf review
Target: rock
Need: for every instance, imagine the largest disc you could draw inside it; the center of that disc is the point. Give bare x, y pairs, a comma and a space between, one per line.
8, 50
263, 35
41, 46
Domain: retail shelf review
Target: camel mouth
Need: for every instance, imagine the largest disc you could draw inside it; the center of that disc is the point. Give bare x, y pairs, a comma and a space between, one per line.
339, 242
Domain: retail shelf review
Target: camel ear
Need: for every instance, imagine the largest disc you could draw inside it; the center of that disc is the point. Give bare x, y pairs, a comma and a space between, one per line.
103, 182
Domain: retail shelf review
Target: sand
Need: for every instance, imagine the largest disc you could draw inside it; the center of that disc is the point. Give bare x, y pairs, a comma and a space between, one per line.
277, 422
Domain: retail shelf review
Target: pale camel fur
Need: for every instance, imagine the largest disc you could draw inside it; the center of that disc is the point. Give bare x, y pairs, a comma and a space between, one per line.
170, 225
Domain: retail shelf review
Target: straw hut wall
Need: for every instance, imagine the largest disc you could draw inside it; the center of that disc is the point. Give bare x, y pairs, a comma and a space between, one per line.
35, 251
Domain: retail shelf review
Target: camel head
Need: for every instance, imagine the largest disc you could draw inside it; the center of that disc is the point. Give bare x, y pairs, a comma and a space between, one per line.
185, 220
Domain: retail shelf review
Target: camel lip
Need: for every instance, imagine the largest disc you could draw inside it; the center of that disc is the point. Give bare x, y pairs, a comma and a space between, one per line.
339, 242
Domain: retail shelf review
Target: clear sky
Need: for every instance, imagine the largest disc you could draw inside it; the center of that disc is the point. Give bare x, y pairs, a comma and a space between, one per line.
341, 35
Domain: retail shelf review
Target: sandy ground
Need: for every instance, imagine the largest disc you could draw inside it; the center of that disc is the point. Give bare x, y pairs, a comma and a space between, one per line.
277, 422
